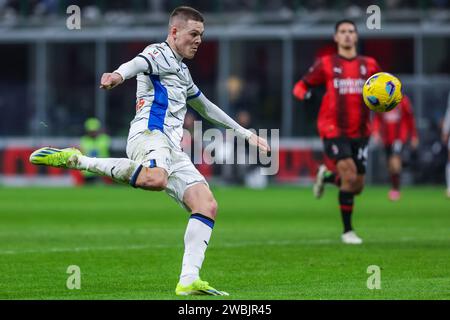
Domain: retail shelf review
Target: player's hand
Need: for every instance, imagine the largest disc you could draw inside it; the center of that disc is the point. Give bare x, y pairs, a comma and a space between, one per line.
301, 91
414, 143
110, 80
259, 142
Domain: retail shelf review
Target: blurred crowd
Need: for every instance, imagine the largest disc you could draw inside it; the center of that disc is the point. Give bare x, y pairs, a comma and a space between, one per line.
18, 8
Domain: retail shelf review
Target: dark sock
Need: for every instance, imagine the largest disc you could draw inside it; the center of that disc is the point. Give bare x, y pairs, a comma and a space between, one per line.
346, 205
331, 177
395, 180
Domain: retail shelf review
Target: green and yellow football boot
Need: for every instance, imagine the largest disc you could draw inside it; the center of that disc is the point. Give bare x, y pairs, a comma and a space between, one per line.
198, 287
59, 158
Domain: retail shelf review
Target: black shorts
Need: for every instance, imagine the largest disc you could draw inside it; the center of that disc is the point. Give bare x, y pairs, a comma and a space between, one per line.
393, 149
344, 148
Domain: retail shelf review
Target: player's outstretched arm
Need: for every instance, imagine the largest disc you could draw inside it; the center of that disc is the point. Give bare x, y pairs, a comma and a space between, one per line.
110, 80
214, 114
314, 77
125, 71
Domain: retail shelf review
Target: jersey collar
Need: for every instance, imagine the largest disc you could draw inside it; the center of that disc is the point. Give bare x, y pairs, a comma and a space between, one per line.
176, 55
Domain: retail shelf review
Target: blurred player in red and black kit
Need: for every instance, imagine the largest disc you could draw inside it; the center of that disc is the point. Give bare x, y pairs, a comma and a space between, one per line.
344, 120
394, 129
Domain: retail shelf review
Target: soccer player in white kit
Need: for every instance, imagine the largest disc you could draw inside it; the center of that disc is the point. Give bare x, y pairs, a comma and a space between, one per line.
155, 159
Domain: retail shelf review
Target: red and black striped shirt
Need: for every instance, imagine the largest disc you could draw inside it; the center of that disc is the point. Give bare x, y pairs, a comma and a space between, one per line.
397, 124
342, 112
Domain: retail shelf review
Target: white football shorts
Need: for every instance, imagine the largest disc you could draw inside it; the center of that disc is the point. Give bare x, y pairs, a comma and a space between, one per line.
152, 149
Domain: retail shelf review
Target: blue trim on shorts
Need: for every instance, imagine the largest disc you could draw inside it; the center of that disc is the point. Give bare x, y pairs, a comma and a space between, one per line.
208, 221
135, 176
194, 96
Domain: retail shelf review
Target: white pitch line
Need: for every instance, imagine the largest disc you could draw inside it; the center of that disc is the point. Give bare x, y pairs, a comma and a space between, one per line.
218, 245
162, 246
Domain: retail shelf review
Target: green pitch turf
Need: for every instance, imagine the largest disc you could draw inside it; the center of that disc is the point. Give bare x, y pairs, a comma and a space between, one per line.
279, 243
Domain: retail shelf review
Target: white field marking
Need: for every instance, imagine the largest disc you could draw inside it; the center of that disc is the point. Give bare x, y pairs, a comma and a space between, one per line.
140, 231
218, 245
80, 233
163, 246
81, 249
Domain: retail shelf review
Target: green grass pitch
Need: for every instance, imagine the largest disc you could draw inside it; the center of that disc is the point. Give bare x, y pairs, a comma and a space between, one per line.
278, 243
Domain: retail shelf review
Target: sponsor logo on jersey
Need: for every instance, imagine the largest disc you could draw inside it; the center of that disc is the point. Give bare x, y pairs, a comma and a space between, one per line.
140, 104
363, 70
335, 149
348, 86
337, 70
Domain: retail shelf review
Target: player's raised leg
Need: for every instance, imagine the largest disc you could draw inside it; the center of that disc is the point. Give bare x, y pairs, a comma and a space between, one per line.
323, 177
53, 157
120, 169
200, 200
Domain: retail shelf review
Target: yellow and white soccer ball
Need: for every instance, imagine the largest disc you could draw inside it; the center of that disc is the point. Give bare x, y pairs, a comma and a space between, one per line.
382, 92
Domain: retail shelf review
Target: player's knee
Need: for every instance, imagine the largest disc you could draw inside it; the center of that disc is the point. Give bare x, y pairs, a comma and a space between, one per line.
350, 178
155, 180
209, 208
213, 207
159, 182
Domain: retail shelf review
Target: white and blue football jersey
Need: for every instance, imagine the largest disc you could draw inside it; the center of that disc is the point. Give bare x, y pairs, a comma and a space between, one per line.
164, 87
